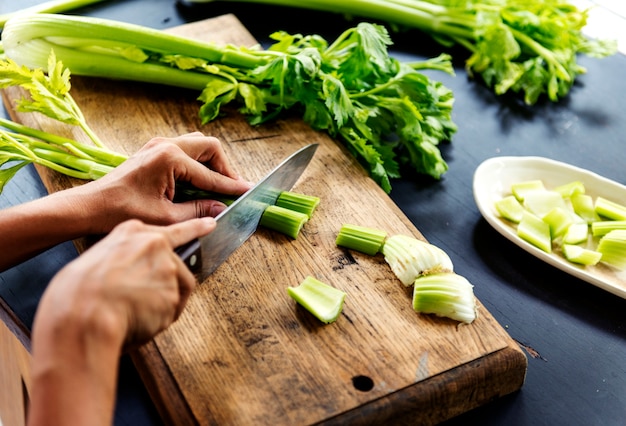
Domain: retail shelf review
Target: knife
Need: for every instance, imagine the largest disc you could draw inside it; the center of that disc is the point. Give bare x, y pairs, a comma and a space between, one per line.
239, 220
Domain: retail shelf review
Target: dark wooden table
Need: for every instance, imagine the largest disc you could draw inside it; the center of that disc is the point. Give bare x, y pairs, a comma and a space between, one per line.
573, 332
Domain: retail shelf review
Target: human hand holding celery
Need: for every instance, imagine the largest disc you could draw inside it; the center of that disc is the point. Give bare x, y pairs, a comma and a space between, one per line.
141, 188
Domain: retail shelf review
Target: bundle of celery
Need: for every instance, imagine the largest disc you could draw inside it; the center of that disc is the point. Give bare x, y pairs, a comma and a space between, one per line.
523, 46
386, 112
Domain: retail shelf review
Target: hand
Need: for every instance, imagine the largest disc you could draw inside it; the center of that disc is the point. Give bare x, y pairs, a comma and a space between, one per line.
118, 294
144, 186
131, 283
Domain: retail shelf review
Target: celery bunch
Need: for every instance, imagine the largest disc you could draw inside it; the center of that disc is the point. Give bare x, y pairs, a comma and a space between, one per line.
523, 46
386, 112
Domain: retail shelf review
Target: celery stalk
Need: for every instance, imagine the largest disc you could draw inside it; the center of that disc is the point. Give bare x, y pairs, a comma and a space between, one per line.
613, 248
302, 203
610, 209
445, 294
535, 231
322, 300
510, 208
603, 227
410, 258
361, 238
283, 220
52, 6
581, 255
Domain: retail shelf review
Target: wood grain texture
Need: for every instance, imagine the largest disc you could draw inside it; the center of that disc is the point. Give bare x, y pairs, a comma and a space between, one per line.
243, 352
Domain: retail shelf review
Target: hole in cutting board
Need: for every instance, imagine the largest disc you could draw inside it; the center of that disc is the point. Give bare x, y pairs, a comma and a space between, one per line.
363, 383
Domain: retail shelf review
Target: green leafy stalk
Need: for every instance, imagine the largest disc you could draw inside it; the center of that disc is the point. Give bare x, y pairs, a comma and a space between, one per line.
49, 92
53, 6
387, 113
18, 150
523, 46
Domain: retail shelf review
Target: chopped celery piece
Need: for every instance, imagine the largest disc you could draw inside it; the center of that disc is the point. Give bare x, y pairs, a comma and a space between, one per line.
288, 222
613, 248
603, 227
610, 209
578, 254
577, 233
535, 231
364, 239
445, 294
410, 258
583, 207
571, 188
510, 209
320, 299
559, 221
299, 202
542, 201
520, 189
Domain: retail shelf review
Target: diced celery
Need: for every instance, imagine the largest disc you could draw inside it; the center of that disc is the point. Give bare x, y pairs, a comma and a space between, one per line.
583, 207
283, 220
581, 255
613, 248
322, 300
410, 258
299, 202
541, 202
570, 188
535, 231
520, 189
610, 209
445, 294
577, 233
559, 220
510, 209
603, 227
364, 239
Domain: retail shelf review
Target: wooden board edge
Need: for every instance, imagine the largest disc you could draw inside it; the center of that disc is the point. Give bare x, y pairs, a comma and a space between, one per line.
162, 386
446, 395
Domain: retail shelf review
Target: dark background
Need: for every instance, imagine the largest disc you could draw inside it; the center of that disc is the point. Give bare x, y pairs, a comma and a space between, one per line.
574, 334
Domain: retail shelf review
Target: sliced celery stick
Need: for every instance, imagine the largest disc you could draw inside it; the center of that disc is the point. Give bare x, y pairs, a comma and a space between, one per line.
445, 294
570, 188
520, 189
559, 220
613, 248
578, 254
535, 231
541, 202
603, 227
610, 209
510, 209
576, 233
299, 202
283, 220
319, 298
583, 207
410, 258
361, 238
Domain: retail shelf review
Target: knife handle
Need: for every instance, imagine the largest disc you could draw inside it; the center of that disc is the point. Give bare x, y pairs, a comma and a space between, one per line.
191, 255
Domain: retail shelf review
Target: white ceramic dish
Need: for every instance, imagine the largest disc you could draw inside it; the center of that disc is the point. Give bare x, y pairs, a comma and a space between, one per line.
493, 179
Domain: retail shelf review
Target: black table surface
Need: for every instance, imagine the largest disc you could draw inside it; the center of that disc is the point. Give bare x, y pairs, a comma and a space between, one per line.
574, 333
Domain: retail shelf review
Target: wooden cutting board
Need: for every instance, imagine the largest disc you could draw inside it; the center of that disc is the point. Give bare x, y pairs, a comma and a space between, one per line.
243, 352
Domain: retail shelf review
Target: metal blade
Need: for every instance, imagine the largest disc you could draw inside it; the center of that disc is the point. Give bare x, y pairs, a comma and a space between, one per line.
239, 221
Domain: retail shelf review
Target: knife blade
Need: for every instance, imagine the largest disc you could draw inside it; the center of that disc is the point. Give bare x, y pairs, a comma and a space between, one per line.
240, 220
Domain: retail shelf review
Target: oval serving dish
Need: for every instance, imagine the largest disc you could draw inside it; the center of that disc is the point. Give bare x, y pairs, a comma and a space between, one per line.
492, 181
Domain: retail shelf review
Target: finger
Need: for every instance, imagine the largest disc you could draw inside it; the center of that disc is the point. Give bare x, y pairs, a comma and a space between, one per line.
201, 177
183, 232
186, 284
208, 150
197, 208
